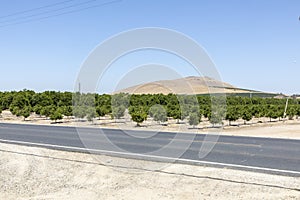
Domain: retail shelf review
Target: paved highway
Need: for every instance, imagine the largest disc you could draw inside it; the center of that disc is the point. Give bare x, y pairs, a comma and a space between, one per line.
279, 156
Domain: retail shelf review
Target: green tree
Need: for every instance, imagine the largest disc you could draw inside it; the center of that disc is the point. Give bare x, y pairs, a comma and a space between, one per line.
184, 111
257, 111
7, 100
158, 113
67, 111
194, 119
297, 107
217, 114
15, 110
20, 100
173, 110
25, 112
119, 103
103, 110
177, 111
232, 114
47, 110
138, 114
280, 111
291, 112
79, 111
118, 111
215, 119
37, 109
120, 99
206, 110
91, 114
271, 112
56, 115
246, 114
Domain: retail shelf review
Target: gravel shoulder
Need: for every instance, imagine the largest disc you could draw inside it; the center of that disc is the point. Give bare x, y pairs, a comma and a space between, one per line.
37, 173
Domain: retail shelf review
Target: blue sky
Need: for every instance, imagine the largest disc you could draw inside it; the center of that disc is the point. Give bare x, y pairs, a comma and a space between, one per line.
254, 44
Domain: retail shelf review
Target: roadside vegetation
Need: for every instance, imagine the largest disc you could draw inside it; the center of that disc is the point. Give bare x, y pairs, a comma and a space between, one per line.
157, 107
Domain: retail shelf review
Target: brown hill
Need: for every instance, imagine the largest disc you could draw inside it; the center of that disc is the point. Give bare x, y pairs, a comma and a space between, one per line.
188, 85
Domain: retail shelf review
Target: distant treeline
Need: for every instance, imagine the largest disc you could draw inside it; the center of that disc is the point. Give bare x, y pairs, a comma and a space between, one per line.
56, 105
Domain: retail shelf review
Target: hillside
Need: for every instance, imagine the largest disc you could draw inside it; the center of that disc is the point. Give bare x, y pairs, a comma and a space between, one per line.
188, 85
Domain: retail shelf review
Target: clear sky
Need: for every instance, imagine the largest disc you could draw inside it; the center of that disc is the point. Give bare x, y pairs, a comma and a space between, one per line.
255, 44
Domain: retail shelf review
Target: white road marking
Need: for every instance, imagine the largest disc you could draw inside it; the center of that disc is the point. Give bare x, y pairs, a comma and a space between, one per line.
153, 156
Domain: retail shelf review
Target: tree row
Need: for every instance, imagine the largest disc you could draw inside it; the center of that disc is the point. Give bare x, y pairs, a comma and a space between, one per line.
159, 107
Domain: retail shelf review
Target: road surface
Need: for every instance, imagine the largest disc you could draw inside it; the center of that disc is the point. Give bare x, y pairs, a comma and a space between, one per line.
279, 156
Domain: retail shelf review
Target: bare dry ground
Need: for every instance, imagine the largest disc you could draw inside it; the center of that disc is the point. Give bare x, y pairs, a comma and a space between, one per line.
36, 173
187, 85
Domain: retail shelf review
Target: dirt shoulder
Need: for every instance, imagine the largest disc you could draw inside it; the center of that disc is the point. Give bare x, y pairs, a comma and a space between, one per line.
37, 173
277, 130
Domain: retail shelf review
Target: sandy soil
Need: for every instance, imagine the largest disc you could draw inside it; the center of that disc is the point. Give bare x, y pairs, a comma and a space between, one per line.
289, 129
36, 173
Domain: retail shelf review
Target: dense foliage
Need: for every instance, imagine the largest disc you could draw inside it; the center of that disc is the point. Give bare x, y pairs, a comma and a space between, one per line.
159, 107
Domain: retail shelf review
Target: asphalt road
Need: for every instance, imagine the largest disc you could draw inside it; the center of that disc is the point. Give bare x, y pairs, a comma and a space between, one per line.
279, 156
